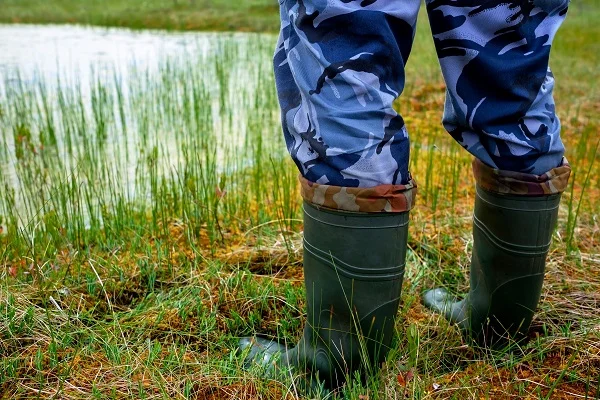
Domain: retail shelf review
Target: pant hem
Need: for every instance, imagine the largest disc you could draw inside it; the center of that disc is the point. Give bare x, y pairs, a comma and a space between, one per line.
377, 199
494, 180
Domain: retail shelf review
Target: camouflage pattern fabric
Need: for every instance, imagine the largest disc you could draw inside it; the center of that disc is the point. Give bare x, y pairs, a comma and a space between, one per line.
508, 182
339, 66
380, 198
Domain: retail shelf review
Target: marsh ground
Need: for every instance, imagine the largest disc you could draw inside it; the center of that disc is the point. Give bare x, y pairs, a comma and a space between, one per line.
108, 295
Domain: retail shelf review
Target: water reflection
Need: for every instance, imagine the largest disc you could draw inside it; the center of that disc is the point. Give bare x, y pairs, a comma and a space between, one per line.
45, 52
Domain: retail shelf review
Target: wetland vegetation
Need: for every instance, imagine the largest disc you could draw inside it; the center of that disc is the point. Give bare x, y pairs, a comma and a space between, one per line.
150, 218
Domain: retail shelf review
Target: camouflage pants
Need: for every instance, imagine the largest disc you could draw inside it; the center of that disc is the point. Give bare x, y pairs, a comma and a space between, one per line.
339, 66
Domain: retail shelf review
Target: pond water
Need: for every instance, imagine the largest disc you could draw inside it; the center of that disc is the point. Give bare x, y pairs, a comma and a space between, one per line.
111, 106
45, 52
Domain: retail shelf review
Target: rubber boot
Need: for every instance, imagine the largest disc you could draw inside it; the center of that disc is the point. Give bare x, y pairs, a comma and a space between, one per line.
353, 271
511, 238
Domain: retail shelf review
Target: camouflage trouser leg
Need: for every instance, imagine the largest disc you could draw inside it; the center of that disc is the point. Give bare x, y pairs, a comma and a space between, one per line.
339, 66
499, 106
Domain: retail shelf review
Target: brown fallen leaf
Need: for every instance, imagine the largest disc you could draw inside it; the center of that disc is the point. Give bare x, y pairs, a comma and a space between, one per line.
401, 380
404, 378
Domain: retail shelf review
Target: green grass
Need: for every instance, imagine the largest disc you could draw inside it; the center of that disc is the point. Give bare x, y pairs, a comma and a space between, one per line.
214, 15
142, 234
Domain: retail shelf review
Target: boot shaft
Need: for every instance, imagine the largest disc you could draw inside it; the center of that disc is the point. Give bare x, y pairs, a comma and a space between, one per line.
511, 239
353, 271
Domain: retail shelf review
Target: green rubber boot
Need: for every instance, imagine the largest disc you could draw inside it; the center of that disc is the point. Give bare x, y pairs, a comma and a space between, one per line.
511, 238
353, 271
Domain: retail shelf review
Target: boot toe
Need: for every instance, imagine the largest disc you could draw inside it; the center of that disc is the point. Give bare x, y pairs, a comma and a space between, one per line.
441, 301
437, 299
261, 351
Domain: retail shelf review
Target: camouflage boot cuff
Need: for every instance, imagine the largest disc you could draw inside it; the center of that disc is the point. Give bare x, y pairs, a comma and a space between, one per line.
382, 198
518, 183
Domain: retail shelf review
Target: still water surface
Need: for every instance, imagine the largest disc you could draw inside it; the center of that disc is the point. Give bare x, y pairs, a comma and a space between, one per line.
48, 51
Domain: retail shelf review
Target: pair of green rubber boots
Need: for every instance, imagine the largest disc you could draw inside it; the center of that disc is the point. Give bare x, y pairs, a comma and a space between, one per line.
354, 267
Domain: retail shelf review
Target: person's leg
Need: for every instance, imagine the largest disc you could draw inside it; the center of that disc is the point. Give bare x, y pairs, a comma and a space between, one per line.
339, 66
494, 56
